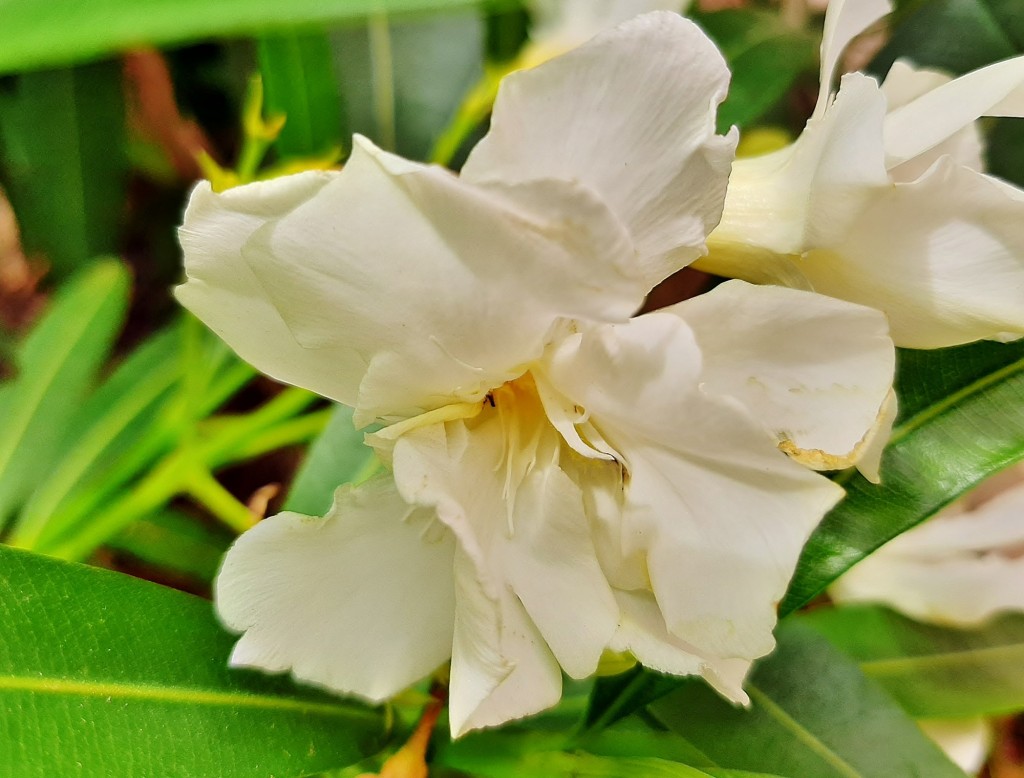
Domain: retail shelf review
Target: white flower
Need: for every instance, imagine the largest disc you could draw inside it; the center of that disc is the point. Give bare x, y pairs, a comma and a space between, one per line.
564, 479
882, 201
961, 567
967, 742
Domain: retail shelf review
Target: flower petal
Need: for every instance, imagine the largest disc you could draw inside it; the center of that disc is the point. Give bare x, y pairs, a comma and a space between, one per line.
382, 278
814, 370
223, 291
905, 83
643, 633
959, 590
720, 513
844, 21
905, 256
360, 601
935, 116
806, 194
496, 482
631, 114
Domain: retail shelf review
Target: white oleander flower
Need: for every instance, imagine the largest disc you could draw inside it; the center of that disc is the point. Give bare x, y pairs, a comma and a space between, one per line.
882, 200
960, 568
563, 479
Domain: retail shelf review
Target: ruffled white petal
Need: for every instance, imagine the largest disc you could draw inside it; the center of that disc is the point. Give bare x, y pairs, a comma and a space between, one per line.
398, 277
967, 742
942, 257
361, 601
718, 511
937, 115
223, 291
844, 21
808, 193
960, 567
815, 371
496, 481
905, 83
631, 114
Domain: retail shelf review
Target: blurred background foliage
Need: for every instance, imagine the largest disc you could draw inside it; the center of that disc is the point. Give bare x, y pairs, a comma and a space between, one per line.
131, 438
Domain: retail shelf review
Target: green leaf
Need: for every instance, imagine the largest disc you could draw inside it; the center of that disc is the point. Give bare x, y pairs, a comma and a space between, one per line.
120, 413
57, 365
299, 82
175, 542
414, 79
62, 31
338, 457
933, 672
561, 765
765, 56
813, 713
962, 421
954, 35
62, 137
106, 675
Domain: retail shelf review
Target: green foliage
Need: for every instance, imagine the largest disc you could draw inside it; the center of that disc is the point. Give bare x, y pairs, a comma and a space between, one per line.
338, 456
63, 31
174, 541
57, 365
934, 672
765, 56
954, 35
812, 713
63, 158
299, 82
962, 420
144, 691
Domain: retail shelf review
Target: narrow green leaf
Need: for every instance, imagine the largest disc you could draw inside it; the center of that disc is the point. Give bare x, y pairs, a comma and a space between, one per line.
122, 411
954, 35
813, 713
62, 31
106, 675
62, 137
765, 56
963, 420
424, 78
175, 542
933, 672
338, 457
57, 365
299, 82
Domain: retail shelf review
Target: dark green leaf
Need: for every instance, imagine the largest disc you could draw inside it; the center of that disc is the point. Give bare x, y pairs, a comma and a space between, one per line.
813, 713
57, 365
62, 138
765, 56
175, 542
62, 31
106, 675
299, 82
338, 457
118, 415
954, 35
934, 672
963, 420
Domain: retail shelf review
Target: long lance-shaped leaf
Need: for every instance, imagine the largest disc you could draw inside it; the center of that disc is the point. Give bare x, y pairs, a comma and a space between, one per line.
57, 365
102, 674
63, 159
812, 713
934, 672
299, 82
63, 31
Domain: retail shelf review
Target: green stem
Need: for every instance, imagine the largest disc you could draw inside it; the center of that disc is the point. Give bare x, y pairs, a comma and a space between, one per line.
207, 490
